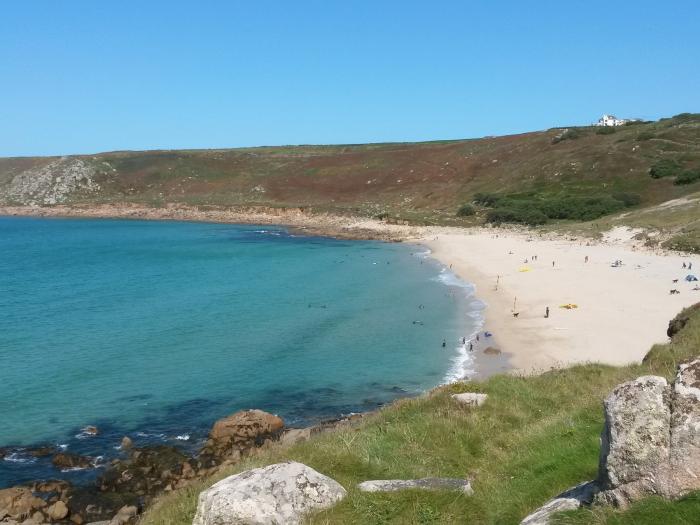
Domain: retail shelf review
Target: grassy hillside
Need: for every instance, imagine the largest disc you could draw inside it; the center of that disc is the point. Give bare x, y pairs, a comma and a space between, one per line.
534, 437
423, 182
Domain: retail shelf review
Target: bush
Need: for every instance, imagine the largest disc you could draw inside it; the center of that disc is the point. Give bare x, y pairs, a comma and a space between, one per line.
605, 130
567, 134
664, 168
382, 216
465, 210
645, 135
529, 216
628, 199
487, 199
687, 177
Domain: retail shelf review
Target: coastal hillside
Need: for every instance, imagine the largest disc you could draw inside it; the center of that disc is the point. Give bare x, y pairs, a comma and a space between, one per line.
418, 182
534, 437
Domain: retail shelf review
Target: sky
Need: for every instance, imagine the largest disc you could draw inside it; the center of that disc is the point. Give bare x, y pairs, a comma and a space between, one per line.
87, 76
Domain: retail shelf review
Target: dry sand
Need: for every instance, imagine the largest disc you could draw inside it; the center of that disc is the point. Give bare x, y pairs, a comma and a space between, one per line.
621, 311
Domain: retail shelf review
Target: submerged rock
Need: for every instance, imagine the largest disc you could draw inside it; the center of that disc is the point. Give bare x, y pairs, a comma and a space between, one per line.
393, 485
283, 493
64, 461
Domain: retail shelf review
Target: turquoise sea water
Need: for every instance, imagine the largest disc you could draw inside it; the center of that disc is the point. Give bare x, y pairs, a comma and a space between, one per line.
157, 329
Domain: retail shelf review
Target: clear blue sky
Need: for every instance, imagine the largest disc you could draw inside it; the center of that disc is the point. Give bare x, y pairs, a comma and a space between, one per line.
90, 76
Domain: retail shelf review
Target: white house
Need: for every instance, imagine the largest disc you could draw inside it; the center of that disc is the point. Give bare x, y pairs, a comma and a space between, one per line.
611, 120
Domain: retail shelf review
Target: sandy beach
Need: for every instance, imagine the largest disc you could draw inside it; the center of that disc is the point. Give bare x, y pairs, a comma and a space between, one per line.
621, 311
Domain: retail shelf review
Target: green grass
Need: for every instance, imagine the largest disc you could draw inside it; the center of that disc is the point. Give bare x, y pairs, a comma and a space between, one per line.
535, 437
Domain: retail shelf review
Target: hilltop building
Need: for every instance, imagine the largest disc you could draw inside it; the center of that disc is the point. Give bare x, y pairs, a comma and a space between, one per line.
612, 120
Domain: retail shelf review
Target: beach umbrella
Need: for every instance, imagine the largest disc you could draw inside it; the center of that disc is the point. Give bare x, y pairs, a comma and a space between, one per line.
690, 277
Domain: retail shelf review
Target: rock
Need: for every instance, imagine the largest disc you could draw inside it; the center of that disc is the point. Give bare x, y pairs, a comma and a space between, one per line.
295, 435
90, 430
127, 443
651, 439
63, 461
470, 398
126, 514
41, 452
282, 493
57, 511
677, 324
148, 471
18, 502
569, 500
683, 474
635, 439
241, 431
393, 485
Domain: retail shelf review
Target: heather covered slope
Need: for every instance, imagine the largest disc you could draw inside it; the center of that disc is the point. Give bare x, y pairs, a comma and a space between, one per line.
421, 182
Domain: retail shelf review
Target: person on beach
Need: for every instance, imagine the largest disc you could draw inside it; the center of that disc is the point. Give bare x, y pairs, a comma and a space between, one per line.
690, 266
444, 343
552, 264
546, 313
585, 259
684, 265
477, 337
471, 346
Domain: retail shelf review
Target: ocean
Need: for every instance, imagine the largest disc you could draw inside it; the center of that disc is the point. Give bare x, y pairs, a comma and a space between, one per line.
156, 329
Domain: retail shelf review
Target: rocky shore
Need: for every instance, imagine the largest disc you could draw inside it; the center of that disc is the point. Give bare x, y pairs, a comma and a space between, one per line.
129, 484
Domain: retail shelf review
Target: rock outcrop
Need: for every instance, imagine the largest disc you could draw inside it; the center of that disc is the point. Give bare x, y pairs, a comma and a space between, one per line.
244, 430
393, 485
651, 439
282, 493
52, 183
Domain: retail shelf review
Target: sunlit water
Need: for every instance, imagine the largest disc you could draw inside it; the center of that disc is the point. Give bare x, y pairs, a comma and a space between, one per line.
156, 329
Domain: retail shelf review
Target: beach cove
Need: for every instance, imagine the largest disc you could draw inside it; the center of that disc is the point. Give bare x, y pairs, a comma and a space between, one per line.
102, 317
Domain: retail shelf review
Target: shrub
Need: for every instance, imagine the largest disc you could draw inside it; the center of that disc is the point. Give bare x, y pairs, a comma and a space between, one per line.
645, 135
529, 216
567, 134
687, 177
664, 168
487, 199
465, 210
628, 199
605, 130
382, 216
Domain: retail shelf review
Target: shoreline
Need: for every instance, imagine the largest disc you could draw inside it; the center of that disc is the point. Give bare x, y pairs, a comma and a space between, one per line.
619, 314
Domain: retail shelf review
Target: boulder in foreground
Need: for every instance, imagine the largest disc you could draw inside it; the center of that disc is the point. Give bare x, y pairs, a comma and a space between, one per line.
651, 439
278, 494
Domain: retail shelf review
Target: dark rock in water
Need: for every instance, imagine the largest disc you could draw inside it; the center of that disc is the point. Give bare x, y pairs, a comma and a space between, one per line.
41, 452
239, 432
126, 443
92, 505
90, 430
64, 460
146, 472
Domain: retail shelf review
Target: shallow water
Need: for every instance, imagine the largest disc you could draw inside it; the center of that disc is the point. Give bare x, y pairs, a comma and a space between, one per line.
156, 329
